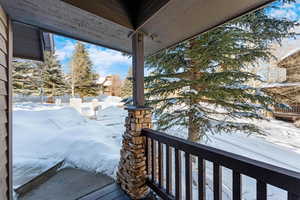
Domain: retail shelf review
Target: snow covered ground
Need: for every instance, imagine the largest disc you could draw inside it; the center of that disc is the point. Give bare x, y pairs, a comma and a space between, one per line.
44, 134
279, 146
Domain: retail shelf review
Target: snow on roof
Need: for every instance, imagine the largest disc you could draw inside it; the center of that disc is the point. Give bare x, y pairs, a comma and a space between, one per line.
291, 53
288, 47
107, 83
101, 80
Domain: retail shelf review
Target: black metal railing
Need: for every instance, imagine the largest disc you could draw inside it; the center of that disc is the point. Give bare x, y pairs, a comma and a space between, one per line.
159, 151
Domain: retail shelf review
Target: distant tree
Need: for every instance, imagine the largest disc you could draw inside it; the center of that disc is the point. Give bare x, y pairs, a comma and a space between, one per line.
126, 89
116, 85
201, 84
84, 80
26, 77
52, 76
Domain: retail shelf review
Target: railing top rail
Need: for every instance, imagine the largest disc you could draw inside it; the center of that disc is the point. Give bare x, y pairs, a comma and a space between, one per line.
270, 174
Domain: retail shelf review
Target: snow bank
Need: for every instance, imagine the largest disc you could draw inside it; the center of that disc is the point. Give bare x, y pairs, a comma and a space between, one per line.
35, 106
112, 114
44, 132
91, 105
111, 101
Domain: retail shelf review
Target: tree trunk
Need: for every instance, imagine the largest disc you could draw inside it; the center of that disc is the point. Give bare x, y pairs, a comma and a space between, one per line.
192, 132
72, 80
195, 133
53, 89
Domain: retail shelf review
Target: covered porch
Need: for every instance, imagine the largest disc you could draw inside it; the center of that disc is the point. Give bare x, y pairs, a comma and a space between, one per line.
150, 160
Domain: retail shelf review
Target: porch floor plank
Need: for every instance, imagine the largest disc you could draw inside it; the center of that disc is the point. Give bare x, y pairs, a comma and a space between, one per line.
68, 184
110, 192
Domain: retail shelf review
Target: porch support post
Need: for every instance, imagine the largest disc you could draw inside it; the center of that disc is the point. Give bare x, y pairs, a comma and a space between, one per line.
138, 69
132, 174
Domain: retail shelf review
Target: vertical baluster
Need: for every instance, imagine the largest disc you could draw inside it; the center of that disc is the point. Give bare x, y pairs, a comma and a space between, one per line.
237, 186
201, 179
160, 164
188, 176
217, 182
147, 155
153, 160
178, 183
261, 190
292, 196
169, 169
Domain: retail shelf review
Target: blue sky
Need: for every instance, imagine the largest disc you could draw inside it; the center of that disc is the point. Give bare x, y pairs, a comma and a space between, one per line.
290, 11
106, 61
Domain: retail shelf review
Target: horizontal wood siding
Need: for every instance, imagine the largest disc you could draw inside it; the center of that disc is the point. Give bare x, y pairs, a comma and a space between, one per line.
3, 89
3, 106
3, 45
3, 30
3, 59
3, 73
3, 16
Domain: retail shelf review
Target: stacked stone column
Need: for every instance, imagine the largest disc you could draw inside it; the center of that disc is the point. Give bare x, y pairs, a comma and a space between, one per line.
132, 173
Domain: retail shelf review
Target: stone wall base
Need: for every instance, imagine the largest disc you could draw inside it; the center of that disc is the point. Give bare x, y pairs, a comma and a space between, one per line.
132, 173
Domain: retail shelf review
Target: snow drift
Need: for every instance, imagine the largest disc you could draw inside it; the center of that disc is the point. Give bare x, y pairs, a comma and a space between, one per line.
44, 134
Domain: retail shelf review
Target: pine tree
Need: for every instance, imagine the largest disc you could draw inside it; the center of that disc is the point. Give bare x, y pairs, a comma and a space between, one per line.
201, 84
52, 76
84, 80
26, 77
126, 89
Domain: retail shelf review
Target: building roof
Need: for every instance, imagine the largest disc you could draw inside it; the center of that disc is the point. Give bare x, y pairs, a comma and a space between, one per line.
111, 23
107, 83
286, 92
293, 56
101, 80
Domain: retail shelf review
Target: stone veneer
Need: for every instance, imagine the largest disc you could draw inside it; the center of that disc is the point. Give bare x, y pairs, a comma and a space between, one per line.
132, 173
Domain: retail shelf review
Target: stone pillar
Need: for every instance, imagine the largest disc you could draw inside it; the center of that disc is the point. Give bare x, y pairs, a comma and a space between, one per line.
132, 173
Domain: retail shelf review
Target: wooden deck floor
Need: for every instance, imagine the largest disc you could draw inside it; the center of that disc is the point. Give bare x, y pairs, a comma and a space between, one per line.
110, 192
291, 117
65, 184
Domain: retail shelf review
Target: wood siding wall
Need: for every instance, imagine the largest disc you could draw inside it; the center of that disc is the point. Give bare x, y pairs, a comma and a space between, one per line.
5, 108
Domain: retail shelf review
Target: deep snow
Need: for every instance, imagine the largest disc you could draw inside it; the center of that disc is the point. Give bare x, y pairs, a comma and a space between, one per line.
44, 134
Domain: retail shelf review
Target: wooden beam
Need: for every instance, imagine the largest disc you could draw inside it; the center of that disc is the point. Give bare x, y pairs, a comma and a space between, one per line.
146, 10
27, 42
113, 10
138, 69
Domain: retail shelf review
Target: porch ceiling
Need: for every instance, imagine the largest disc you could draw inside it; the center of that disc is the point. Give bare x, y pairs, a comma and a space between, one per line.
110, 23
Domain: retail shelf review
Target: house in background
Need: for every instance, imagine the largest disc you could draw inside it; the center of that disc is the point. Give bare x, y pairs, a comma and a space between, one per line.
283, 81
110, 85
149, 160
